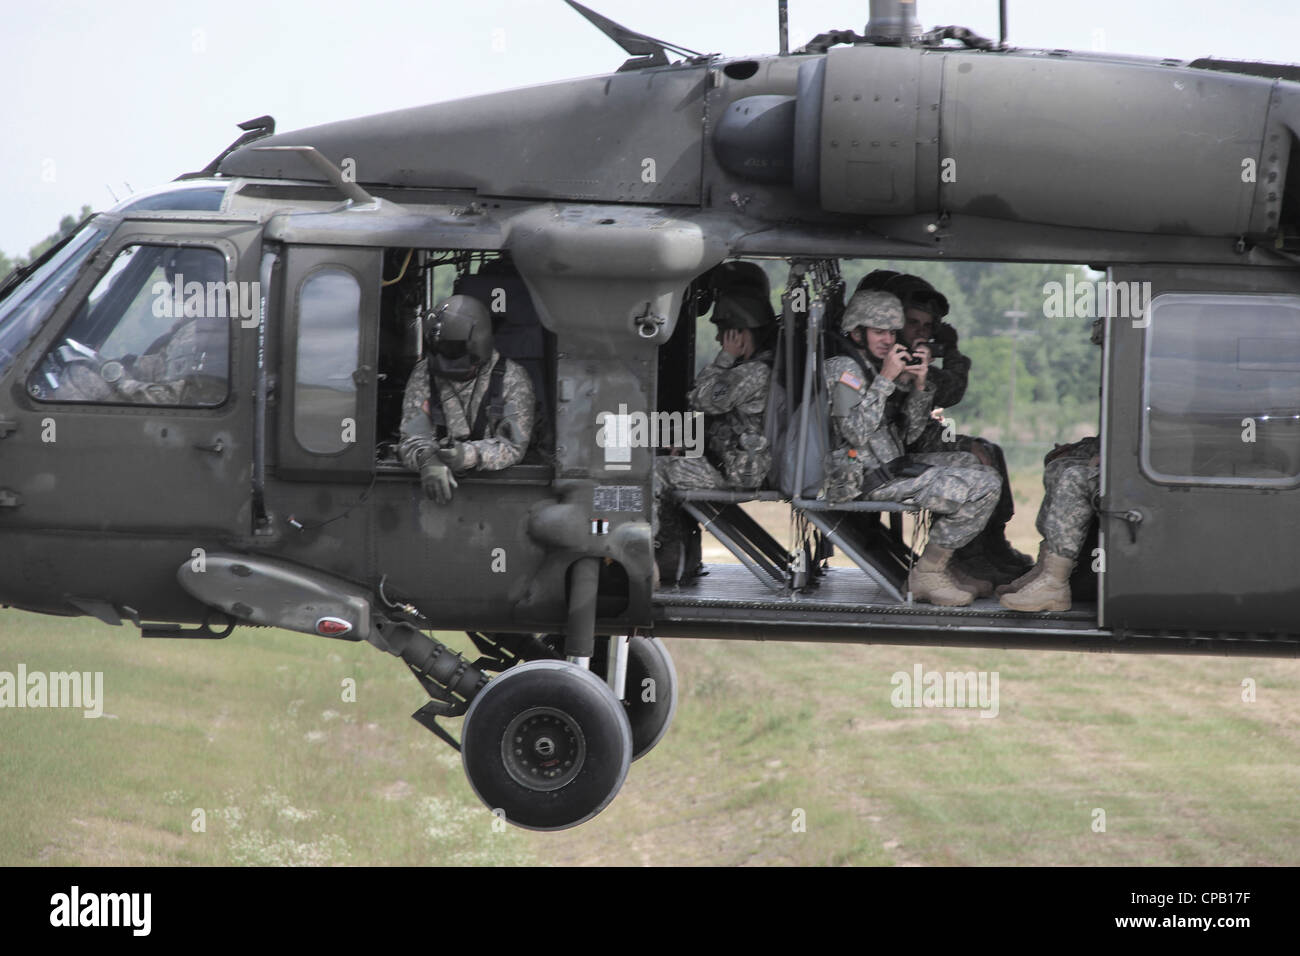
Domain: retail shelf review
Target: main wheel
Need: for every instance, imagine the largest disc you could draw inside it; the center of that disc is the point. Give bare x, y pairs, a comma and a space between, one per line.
547, 743
650, 692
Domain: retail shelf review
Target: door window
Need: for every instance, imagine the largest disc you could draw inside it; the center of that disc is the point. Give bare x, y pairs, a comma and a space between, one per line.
328, 355
1222, 390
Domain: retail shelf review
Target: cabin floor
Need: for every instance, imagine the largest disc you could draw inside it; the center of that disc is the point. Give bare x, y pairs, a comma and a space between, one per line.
843, 597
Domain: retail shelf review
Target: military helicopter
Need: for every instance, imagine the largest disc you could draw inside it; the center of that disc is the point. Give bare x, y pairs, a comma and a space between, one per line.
264, 490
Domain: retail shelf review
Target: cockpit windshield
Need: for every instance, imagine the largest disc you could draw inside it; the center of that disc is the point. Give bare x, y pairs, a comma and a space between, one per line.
31, 302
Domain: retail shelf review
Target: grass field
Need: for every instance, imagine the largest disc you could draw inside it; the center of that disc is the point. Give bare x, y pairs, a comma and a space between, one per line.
244, 751
254, 732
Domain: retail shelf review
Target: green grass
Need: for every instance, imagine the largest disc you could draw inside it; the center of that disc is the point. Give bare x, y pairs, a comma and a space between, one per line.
254, 732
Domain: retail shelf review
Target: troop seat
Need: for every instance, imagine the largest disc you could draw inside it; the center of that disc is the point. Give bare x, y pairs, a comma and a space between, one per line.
719, 511
869, 545
880, 553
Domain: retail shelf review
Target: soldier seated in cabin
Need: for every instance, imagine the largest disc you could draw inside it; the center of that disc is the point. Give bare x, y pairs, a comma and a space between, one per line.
731, 392
1071, 481
869, 431
990, 556
466, 407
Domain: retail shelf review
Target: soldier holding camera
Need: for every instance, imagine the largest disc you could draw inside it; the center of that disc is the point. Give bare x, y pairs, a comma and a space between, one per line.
873, 417
990, 557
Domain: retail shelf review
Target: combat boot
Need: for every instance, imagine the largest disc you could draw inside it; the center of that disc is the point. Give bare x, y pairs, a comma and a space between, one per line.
968, 581
931, 582
1048, 591
1025, 578
976, 562
999, 550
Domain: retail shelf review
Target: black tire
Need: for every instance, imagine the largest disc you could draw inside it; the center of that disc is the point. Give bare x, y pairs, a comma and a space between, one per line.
648, 658
555, 705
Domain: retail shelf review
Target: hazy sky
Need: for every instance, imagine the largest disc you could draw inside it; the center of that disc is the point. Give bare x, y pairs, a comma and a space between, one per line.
99, 94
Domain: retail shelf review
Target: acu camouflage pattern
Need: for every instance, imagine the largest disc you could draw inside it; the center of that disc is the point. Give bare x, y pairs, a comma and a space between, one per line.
505, 441
872, 309
733, 396
1071, 482
958, 491
868, 430
190, 368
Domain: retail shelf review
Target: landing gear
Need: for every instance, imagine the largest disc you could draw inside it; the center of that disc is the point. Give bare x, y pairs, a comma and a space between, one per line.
649, 690
546, 743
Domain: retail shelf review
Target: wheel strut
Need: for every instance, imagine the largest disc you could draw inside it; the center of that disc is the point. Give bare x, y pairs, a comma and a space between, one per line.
448, 678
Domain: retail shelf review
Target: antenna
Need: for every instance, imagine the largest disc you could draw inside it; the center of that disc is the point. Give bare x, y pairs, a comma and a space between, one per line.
783, 25
645, 50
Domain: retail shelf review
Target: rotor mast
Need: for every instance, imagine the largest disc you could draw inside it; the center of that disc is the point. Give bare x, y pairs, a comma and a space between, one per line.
893, 21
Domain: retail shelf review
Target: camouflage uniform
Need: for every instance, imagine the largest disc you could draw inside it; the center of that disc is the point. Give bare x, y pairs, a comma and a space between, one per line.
504, 442
190, 367
1071, 483
957, 489
733, 394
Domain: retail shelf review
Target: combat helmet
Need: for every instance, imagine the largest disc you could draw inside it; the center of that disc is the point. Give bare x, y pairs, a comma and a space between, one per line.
458, 337
915, 293
742, 297
873, 309
876, 280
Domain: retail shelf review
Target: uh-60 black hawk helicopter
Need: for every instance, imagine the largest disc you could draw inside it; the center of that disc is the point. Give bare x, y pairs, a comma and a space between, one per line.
588, 215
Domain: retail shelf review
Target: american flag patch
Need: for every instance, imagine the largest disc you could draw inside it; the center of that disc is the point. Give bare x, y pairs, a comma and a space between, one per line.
851, 380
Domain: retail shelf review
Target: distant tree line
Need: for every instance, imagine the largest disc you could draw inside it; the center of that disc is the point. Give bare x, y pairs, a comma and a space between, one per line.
1058, 370
66, 225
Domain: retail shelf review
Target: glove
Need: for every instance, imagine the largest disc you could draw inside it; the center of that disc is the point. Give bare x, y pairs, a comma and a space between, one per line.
945, 335
437, 481
455, 456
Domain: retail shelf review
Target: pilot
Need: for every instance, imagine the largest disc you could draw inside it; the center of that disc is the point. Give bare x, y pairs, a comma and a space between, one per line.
1071, 480
188, 364
482, 416
869, 433
990, 556
732, 393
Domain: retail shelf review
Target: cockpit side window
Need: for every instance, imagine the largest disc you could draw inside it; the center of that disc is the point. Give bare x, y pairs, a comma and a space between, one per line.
24, 309
155, 330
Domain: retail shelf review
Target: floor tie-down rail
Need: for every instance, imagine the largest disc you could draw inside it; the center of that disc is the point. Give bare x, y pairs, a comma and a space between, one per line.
720, 513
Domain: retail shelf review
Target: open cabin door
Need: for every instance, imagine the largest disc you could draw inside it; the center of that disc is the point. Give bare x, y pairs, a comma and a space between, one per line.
1201, 451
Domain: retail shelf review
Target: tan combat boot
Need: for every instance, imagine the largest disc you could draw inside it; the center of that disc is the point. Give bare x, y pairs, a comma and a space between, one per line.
1025, 578
930, 581
1049, 591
